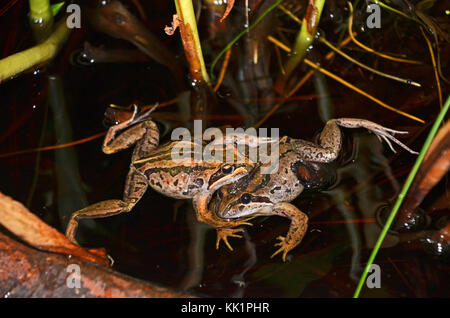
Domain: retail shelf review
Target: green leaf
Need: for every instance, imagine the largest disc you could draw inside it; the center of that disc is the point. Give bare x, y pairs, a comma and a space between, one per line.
56, 8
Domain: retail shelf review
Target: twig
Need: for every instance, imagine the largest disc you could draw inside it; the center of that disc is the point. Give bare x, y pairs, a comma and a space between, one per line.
402, 277
290, 14
8, 6
278, 43
394, 10
435, 30
124, 116
350, 27
342, 81
392, 77
69, 144
435, 69
223, 70
280, 62
230, 5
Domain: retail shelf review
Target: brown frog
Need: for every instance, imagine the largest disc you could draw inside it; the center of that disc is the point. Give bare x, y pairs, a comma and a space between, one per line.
152, 165
302, 164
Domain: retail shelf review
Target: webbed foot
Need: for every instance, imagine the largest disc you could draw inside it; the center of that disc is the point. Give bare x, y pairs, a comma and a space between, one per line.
285, 247
138, 116
381, 132
224, 233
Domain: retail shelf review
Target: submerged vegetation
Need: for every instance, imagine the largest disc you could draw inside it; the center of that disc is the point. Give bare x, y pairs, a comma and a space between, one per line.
240, 63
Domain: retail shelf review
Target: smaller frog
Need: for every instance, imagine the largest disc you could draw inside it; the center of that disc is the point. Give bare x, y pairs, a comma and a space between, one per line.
302, 164
153, 165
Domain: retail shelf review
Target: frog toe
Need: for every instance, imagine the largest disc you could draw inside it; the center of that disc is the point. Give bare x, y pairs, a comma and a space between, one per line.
245, 221
139, 116
285, 247
224, 233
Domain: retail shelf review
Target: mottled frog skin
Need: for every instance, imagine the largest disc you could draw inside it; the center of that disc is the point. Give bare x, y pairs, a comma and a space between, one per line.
302, 164
153, 166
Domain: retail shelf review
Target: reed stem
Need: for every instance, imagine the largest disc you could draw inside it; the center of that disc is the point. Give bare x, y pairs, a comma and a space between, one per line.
41, 19
191, 39
402, 195
22, 61
304, 39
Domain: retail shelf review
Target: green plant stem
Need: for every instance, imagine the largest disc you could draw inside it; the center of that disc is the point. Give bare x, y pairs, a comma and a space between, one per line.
381, 4
402, 195
22, 61
306, 35
40, 9
41, 19
185, 11
241, 34
56, 7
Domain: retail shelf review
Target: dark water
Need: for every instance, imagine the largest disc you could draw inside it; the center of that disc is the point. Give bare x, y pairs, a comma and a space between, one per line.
160, 240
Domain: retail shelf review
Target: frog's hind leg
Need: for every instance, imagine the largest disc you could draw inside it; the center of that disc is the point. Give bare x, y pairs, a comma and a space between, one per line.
330, 139
330, 143
135, 187
387, 134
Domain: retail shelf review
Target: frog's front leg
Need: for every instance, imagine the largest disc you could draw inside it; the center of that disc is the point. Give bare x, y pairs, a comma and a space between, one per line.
297, 228
135, 187
139, 130
225, 228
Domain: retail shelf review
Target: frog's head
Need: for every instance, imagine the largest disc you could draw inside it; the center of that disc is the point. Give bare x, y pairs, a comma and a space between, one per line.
230, 205
227, 173
243, 198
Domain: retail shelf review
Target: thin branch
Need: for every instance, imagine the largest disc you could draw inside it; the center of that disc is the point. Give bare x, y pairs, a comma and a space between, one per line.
342, 81
392, 77
435, 69
290, 14
223, 70
368, 49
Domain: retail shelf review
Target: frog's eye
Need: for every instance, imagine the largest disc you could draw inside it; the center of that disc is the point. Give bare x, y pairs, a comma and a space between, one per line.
227, 169
246, 198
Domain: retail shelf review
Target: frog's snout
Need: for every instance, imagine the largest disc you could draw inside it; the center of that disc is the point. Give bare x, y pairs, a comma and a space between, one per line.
221, 208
